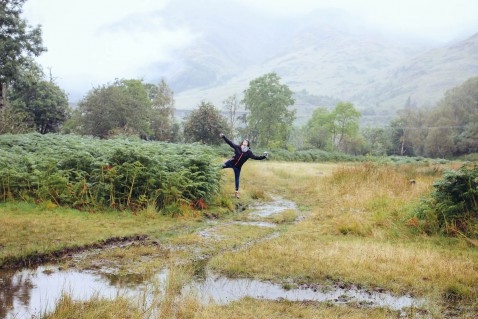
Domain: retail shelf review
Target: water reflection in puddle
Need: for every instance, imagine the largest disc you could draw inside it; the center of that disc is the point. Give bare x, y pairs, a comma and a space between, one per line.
29, 293
223, 290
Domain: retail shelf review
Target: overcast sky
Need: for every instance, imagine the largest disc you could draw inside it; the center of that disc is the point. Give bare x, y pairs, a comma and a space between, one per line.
85, 49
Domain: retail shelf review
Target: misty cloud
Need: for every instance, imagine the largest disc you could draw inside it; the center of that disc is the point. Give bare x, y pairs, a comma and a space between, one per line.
93, 42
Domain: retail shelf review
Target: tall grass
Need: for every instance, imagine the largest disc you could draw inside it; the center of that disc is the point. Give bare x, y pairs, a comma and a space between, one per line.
192, 308
360, 229
94, 308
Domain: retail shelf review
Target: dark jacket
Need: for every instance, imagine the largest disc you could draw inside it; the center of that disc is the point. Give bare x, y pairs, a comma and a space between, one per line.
240, 157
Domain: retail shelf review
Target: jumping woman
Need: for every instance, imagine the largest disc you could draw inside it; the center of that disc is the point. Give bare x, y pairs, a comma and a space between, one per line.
241, 154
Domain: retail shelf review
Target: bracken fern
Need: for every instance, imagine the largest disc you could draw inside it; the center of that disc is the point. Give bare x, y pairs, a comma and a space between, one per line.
120, 173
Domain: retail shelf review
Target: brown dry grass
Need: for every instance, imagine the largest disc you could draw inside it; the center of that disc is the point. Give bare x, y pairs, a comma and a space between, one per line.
358, 230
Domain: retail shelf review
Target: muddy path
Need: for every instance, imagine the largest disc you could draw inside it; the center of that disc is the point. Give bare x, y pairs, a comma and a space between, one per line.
130, 266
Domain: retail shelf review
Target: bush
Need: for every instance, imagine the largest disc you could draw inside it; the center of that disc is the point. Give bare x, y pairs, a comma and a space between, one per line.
120, 173
453, 205
473, 157
317, 155
312, 155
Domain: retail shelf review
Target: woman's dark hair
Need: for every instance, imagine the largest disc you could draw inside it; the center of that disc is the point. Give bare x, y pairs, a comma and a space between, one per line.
248, 143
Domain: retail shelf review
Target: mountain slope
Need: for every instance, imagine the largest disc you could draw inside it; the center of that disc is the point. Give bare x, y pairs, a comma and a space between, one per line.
426, 77
229, 38
325, 53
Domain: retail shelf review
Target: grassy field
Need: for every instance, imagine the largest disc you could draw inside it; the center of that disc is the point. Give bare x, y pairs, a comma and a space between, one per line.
31, 233
359, 229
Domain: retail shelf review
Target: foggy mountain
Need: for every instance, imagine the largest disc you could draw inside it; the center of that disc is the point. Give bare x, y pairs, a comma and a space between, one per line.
425, 77
326, 56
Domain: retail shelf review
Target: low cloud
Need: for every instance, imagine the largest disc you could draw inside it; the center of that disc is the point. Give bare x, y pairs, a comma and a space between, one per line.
93, 42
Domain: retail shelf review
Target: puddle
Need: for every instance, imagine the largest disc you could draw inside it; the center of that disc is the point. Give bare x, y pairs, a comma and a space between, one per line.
278, 205
259, 210
28, 293
223, 290
210, 232
258, 224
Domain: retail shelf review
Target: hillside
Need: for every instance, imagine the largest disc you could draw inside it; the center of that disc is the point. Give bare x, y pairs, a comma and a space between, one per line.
229, 39
326, 55
426, 77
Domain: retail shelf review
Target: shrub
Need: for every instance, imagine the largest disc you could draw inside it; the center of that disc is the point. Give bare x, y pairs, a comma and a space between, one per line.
120, 173
453, 205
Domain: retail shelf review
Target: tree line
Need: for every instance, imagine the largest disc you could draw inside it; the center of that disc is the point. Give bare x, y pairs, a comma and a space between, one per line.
32, 101
446, 130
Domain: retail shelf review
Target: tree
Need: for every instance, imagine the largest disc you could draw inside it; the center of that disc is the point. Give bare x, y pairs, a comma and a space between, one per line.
319, 129
460, 108
400, 143
445, 130
439, 141
43, 102
14, 122
354, 145
467, 140
298, 138
336, 129
378, 140
415, 124
162, 115
74, 123
204, 124
408, 131
345, 123
269, 122
231, 106
439, 145
122, 107
18, 41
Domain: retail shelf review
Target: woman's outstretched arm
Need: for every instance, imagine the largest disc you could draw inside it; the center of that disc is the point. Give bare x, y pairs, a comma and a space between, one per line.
255, 157
228, 141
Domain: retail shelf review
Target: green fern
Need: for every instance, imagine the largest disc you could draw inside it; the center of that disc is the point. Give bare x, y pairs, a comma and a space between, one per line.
88, 172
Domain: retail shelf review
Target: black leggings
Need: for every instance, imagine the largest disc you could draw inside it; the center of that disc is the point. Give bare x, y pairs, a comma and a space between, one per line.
237, 172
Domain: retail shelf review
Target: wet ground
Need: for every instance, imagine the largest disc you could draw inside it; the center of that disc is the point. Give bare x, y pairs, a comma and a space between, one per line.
29, 292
